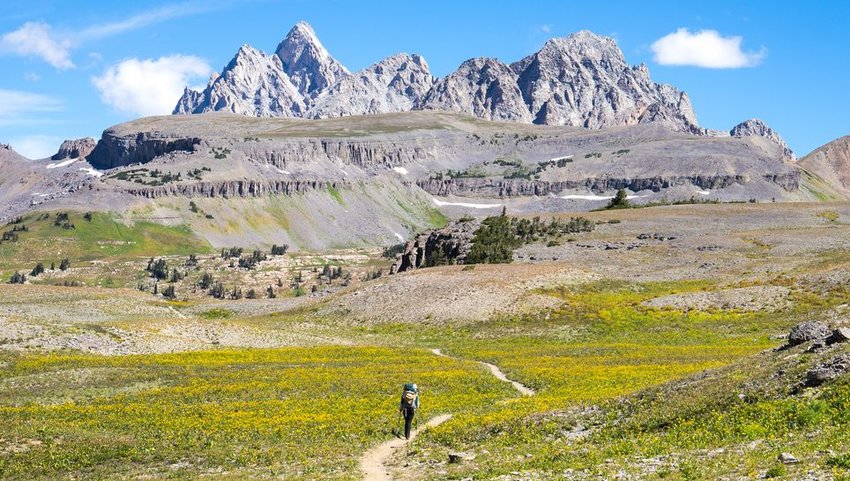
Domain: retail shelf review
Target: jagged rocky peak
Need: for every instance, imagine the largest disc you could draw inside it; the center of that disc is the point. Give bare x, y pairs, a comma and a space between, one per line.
75, 149
757, 128
394, 84
580, 80
483, 87
584, 80
306, 61
253, 83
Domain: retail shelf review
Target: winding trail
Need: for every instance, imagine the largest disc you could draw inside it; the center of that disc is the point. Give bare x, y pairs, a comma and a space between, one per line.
373, 463
495, 371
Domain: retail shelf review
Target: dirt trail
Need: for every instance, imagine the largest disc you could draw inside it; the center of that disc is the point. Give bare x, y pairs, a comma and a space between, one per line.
372, 464
494, 369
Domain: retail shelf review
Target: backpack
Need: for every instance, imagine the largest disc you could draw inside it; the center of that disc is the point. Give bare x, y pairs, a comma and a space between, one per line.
409, 398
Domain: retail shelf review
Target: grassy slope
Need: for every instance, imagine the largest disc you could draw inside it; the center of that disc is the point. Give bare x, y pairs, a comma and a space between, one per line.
103, 237
600, 345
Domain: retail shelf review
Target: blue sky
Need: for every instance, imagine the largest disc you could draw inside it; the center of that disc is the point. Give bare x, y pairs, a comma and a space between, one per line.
72, 68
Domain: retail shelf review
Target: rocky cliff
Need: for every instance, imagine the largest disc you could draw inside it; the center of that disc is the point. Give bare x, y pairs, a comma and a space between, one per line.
757, 128
581, 80
451, 243
394, 84
75, 149
443, 154
115, 150
483, 87
584, 80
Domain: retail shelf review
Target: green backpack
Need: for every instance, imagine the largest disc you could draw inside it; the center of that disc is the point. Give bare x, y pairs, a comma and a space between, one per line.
409, 394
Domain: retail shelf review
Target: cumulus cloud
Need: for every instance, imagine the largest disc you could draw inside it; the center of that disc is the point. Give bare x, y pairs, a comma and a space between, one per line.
149, 87
36, 146
35, 39
705, 48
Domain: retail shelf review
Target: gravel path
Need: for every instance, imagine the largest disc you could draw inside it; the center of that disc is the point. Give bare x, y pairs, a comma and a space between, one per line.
373, 463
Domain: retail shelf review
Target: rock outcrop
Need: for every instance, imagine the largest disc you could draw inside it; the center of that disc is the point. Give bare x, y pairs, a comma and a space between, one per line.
757, 128
115, 150
581, 80
394, 84
483, 87
449, 245
75, 149
584, 80
808, 331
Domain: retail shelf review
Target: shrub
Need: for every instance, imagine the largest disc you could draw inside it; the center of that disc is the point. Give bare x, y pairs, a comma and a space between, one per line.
168, 292
64, 265
494, 242
279, 250
17, 278
620, 201
38, 269
157, 269
206, 280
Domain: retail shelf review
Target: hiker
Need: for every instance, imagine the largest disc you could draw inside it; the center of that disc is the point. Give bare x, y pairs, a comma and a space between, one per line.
408, 406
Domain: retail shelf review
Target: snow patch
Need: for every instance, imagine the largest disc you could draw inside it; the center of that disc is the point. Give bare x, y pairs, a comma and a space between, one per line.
401, 170
62, 164
282, 171
400, 237
704, 192
465, 204
91, 171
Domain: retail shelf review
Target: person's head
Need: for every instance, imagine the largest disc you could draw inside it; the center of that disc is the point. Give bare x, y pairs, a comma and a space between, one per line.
411, 386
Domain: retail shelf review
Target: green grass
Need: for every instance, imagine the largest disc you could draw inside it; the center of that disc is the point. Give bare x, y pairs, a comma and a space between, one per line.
299, 413
602, 360
103, 237
334, 192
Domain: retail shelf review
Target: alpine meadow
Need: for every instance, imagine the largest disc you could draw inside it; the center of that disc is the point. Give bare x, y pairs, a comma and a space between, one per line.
532, 265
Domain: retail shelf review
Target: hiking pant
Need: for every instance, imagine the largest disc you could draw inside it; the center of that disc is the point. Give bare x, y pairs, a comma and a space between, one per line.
408, 420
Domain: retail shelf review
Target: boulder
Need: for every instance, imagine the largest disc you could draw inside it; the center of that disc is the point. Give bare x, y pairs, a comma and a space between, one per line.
842, 334
788, 458
808, 331
825, 372
459, 457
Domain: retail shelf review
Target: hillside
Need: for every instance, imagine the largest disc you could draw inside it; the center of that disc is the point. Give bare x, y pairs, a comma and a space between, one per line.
827, 170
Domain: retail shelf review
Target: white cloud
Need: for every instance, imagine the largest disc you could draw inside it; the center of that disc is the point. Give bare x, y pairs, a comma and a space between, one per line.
141, 20
546, 29
16, 105
32, 77
35, 39
36, 146
149, 87
705, 48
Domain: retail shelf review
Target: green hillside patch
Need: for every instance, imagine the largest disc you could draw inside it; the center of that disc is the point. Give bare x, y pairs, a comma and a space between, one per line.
50, 237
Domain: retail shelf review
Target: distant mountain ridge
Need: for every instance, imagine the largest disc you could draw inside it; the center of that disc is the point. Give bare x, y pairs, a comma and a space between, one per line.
581, 80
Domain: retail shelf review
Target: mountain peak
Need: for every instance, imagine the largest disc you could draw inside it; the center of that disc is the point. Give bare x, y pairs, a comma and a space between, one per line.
758, 128
307, 62
587, 44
